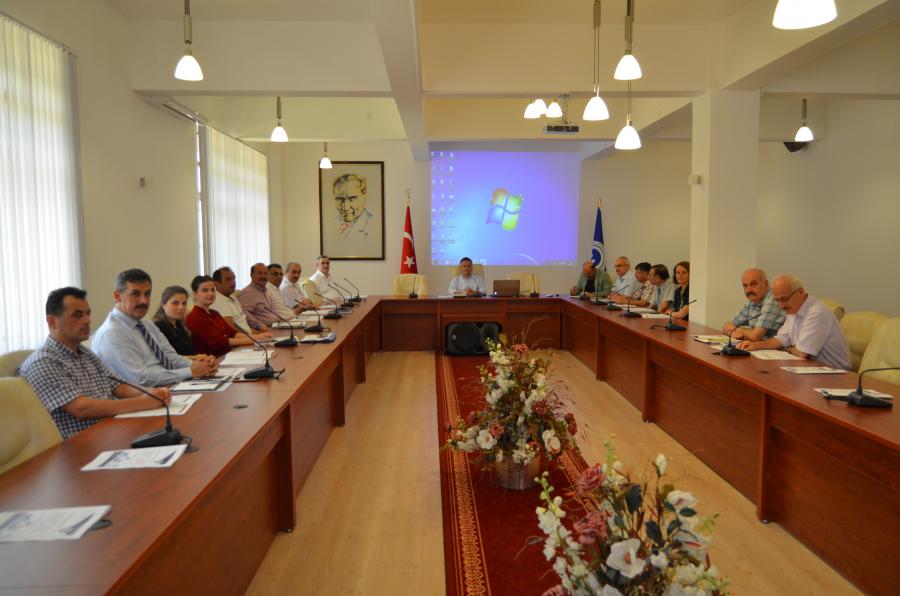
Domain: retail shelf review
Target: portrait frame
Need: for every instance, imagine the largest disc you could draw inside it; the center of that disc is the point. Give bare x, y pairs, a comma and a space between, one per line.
351, 223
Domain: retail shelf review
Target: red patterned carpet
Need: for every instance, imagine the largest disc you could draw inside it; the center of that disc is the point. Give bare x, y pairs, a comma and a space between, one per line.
486, 528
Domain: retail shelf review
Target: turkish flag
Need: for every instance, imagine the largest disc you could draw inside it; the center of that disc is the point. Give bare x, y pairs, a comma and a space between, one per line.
408, 260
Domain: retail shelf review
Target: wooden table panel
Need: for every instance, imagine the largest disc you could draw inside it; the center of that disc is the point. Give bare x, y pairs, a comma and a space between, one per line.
579, 336
316, 408
409, 332
542, 328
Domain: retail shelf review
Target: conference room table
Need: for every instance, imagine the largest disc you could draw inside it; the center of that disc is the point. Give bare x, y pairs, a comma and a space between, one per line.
826, 472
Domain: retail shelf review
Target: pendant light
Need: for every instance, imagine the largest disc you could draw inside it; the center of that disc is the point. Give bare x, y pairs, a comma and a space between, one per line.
325, 163
628, 138
188, 69
804, 134
532, 111
628, 68
803, 14
554, 110
596, 108
279, 134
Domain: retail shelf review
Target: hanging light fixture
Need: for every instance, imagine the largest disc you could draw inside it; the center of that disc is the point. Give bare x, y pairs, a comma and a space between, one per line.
279, 134
325, 163
540, 107
628, 68
532, 111
803, 14
804, 134
188, 69
596, 108
554, 110
628, 137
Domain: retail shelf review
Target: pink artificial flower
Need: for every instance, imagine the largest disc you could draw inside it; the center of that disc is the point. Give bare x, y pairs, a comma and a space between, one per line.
520, 348
540, 408
497, 430
570, 422
535, 446
591, 528
556, 590
590, 480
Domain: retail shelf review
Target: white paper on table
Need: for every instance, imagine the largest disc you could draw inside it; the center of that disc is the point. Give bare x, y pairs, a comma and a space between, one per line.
245, 358
126, 459
774, 355
179, 406
711, 339
846, 392
66, 523
641, 309
813, 370
316, 338
653, 315
200, 384
296, 323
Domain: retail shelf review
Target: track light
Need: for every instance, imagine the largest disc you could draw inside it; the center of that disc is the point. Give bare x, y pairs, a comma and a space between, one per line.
596, 108
188, 69
804, 134
803, 14
628, 68
325, 163
279, 134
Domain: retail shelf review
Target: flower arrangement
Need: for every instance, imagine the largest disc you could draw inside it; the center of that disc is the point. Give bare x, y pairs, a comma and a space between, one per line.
634, 540
523, 416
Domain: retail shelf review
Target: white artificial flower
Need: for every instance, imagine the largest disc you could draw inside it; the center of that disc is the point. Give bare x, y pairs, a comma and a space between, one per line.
608, 590
520, 419
560, 566
687, 575
486, 440
661, 463
623, 557
551, 440
499, 457
579, 569
540, 379
660, 560
681, 499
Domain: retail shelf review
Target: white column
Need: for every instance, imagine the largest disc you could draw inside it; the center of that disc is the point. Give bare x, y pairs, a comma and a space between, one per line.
724, 154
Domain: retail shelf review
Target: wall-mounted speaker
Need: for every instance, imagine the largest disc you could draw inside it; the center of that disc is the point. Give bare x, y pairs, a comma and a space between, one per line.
468, 338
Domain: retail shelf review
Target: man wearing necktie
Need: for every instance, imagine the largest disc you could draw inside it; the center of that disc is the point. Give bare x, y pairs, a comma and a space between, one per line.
133, 346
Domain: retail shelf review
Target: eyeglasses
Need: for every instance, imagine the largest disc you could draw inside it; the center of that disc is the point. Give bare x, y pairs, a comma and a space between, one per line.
786, 298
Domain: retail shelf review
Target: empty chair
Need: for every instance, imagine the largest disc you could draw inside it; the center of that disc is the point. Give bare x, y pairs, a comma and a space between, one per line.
310, 290
11, 361
404, 284
884, 351
834, 307
26, 428
528, 282
858, 328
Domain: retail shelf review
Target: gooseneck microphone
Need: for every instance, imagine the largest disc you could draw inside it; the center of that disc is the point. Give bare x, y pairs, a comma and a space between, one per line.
859, 398
355, 298
348, 302
317, 328
264, 372
413, 293
628, 314
730, 349
157, 438
287, 342
671, 326
331, 315
533, 293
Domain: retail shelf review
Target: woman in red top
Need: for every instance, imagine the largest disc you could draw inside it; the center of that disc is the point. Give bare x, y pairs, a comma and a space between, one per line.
209, 331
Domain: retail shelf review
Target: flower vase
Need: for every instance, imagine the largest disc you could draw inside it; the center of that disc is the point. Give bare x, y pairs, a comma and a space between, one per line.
509, 474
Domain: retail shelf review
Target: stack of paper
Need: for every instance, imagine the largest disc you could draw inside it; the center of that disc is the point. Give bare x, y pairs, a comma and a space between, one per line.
774, 355
246, 358
123, 459
179, 406
813, 370
68, 523
319, 338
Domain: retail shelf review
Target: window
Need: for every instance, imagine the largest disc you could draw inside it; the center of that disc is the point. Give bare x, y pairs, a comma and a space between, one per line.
40, 244
235, 198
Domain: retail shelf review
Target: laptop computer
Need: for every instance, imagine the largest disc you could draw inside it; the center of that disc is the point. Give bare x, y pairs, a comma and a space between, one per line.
506, 288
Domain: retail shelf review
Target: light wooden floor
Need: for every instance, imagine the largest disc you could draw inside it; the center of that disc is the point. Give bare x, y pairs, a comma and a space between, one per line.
369, 516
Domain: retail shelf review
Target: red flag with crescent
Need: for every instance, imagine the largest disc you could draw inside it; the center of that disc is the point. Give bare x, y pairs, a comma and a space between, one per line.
408, 260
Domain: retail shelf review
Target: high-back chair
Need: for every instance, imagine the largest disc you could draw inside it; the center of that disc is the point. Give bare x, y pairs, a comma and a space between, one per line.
525, 282
477, 269
859, 328
404, 284
11, 361
309, 289
26, 428
884, 351
834, 307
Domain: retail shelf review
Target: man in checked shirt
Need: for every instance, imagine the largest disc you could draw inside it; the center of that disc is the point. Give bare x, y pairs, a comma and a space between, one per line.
71, 381
761, 317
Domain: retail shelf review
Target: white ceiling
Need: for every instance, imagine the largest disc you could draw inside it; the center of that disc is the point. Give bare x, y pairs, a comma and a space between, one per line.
257, 10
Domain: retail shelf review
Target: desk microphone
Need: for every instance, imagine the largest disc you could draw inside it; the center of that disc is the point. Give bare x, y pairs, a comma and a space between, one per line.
610, 305
317, 328
413, 293
533, 293
347, 302
157, 438
671, 326
264, 372
859, 399
355, 298
628, 314
732, 350
284, 343
331, 315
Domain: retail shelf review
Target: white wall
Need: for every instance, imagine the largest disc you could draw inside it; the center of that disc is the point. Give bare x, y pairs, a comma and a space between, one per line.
831, 213
122, 139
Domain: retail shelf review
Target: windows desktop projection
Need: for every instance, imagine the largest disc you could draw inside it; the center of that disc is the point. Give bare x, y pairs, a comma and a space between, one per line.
504, 208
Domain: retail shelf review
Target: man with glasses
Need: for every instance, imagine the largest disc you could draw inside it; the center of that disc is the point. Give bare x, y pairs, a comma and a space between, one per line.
810, 329
761, 317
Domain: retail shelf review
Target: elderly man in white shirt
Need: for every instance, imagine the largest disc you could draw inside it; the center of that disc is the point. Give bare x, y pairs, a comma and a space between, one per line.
466, 282
810, 329
320, 280
625, 284
291, 290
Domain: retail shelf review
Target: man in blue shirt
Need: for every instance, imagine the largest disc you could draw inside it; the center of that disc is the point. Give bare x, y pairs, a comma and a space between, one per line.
134, 347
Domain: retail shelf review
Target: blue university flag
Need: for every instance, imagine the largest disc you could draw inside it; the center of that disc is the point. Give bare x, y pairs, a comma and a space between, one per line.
597, 255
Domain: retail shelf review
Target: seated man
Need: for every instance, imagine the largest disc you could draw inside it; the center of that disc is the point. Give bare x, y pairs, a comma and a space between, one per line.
466, 282
291, 290
230, 307
319, 283
70, 380
625, 283
810, 329
664, 295
642, 290
134, 347
592, 282
761, 317
256, 300
276, 274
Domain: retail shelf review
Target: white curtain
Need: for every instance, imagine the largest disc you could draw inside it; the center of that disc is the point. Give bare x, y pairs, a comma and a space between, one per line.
237, 204
40, 245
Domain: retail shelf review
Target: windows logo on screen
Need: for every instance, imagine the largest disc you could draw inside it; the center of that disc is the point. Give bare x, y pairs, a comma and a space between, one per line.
504, 209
